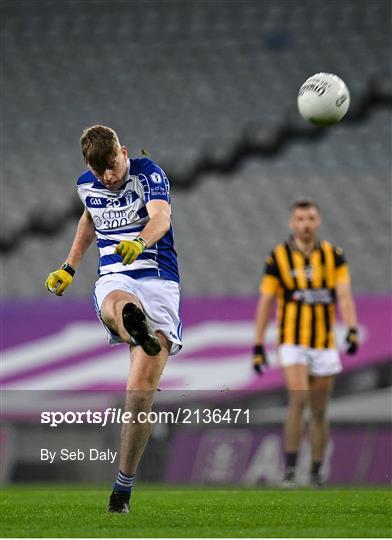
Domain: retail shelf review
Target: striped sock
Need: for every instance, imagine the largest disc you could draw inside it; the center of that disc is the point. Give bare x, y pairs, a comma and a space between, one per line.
124, 482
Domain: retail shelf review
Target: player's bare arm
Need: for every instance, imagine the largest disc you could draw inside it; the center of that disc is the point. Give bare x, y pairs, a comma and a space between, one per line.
84, 237
159, 213
346, 304
263, 312
157, 226
60, 279
348, 313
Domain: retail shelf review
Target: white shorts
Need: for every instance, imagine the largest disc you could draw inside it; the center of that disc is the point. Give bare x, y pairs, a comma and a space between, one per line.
160, 299
320, 362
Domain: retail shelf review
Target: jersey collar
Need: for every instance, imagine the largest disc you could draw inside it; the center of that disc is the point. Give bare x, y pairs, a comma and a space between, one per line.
293, 246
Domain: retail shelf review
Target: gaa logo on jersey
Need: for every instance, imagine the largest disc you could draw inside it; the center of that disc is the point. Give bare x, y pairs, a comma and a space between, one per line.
156, 177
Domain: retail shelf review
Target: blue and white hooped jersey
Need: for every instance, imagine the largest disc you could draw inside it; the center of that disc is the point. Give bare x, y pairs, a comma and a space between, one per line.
122, 214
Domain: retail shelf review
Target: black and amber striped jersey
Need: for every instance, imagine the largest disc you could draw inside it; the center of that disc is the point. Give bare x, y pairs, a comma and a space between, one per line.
306, 290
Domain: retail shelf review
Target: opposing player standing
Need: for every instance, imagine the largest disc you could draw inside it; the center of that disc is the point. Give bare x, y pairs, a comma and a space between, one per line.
307, 276
127, 209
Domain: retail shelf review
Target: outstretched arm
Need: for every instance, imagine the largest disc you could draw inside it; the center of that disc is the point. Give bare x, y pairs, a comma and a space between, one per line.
84, 236
60, 279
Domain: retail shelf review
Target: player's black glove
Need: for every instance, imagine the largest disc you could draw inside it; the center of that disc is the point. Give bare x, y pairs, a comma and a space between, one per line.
259, 359
352, 340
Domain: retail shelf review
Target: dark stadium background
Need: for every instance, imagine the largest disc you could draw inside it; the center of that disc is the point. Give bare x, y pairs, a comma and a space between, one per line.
209, 89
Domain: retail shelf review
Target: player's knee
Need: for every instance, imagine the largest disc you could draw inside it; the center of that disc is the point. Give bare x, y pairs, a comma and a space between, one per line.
318, 414
113, 305
108, 313
299, 399
139, 400
109, 320
142, 385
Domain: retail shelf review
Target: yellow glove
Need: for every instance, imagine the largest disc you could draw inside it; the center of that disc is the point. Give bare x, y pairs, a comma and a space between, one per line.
130, 249
59, 280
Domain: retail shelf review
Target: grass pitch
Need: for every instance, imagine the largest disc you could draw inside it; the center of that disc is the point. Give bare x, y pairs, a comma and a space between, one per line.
172, 512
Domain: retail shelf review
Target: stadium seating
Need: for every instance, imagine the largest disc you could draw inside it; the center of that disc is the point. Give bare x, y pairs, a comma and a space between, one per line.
189, 81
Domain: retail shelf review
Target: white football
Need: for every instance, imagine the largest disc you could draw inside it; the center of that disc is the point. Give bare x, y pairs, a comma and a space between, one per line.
323, 99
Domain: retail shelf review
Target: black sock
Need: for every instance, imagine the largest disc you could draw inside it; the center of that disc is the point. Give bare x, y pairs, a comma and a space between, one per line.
315, 467
291, 459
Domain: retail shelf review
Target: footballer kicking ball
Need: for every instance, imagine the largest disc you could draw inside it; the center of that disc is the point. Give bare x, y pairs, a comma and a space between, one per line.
323, 99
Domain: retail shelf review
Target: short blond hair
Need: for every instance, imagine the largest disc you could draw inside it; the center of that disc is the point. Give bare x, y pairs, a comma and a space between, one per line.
100, 146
